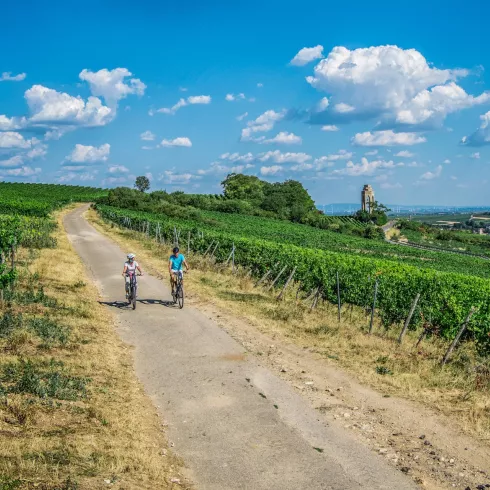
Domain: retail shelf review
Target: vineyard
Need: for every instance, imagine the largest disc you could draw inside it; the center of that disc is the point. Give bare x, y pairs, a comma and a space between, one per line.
41, 199
446, 296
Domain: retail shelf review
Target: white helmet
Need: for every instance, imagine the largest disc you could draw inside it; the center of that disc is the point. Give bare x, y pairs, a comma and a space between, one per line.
131, 256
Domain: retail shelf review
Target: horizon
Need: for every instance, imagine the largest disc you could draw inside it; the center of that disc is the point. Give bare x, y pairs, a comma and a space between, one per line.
364, 98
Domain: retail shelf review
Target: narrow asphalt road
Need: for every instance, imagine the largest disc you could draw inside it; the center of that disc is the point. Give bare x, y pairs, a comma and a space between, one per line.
235, 424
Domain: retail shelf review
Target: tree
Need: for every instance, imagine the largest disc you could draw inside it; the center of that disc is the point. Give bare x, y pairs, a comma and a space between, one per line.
245, 187
376, 216
142, 183
289, 200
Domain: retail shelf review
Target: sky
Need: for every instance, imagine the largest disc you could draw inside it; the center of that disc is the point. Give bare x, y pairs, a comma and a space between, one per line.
335, 95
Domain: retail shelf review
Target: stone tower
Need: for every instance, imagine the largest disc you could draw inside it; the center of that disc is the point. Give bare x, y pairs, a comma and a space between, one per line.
367, 196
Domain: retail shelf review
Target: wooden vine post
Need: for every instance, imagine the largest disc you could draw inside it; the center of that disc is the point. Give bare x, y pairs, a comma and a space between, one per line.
289, 279
409, 318
374, 307
458, 336
338, 295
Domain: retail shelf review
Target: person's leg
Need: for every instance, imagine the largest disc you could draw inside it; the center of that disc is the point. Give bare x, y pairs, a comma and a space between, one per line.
172, 282
126, 284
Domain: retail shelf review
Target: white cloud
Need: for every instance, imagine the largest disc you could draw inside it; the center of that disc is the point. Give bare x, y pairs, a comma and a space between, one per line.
12, 123
12, 139
387, 138
145, 147
282, 138
272, 170
49, 106
83, 177
24, 171
118, 169
306, 55
180, 141
371, 153
397, 85
260, 85
112, 84
475, 155
279, 157
7, 76
147, 136
235, 97
453, 177
364, 168
343, 108
241, 117
89, 154
265, 122
447, 161
191, 100
432, 175
323, 104
170, 177
330, 127
404, 154
12, 162
482, 135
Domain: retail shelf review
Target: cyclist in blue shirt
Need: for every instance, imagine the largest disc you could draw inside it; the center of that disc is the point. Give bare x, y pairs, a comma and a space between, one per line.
175, 267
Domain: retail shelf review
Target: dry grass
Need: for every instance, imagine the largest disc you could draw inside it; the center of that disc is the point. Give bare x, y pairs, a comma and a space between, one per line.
460, 390
109, 435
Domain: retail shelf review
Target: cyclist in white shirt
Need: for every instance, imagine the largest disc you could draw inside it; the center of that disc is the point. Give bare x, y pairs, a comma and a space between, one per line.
130, 266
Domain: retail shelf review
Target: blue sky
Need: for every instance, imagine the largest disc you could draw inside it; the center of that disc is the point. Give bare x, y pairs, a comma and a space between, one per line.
335, 96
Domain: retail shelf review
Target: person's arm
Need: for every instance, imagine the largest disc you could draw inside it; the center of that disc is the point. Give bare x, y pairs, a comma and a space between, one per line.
170, 267
124, 270
186, 265
139, 268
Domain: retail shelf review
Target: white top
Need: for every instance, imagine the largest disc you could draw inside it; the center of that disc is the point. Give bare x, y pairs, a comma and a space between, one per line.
131, 266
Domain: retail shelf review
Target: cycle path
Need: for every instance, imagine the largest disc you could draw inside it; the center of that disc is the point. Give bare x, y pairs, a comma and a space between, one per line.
235, 424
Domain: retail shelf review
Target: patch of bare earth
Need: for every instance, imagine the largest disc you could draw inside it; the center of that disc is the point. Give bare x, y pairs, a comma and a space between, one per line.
428, 422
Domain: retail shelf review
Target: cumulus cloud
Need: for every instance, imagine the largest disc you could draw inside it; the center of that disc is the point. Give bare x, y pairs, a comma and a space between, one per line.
432, 175
475, 156
480, 137
265, 122
48, 106
447, 161
306, 55
191, 100
366, 167
147, 136
89, 154
396, 85
180, 141
71, 176
12, 123
112, 85
235, 97
20, 172
272, 170
118, 169
330, 127
170, 177
281, 158
7, 76
387, 138
404, 154
241, 117
12, 139
282, 138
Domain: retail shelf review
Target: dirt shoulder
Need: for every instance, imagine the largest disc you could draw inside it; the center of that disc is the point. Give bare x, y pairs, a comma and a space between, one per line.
332, 367
74, 415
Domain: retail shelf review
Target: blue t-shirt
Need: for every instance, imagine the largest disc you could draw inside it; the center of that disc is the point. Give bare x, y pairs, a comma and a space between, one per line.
177, 262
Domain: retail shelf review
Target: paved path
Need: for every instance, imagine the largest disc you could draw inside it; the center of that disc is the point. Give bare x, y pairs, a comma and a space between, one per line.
220, 406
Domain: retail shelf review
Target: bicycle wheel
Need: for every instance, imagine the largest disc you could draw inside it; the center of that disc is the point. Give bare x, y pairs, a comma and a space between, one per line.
133, 297
180, 296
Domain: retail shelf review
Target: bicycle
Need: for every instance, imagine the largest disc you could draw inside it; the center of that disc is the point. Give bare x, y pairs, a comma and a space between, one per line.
133, 287
178, 294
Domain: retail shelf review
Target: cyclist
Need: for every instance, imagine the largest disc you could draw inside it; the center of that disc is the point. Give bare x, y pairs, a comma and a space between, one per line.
130, 266
175, 267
